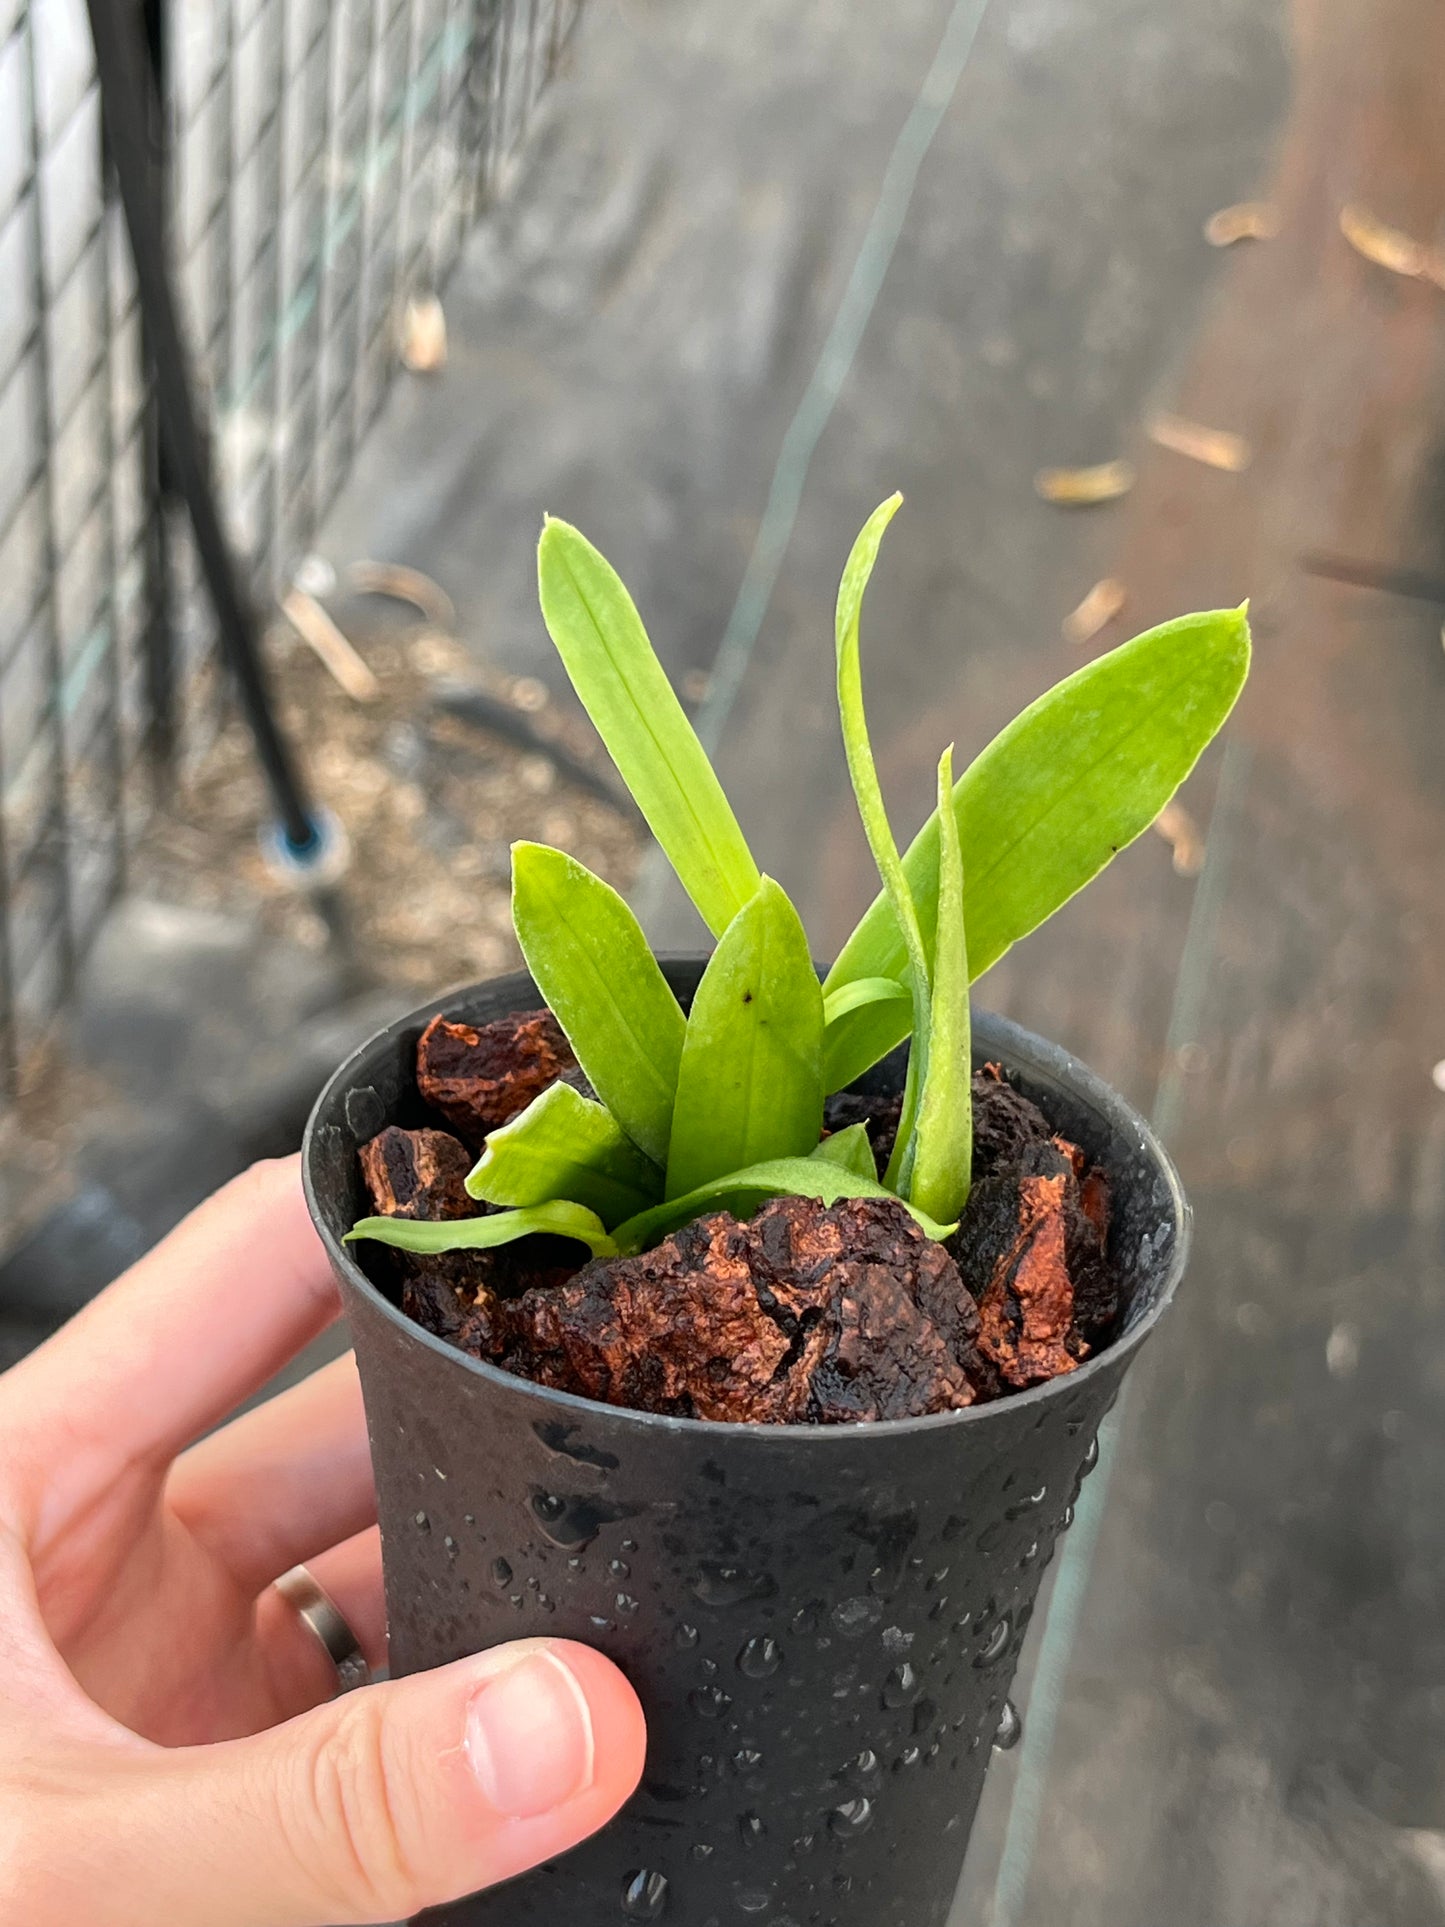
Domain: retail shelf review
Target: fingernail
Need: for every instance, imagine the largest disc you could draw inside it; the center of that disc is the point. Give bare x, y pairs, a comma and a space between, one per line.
529, 1737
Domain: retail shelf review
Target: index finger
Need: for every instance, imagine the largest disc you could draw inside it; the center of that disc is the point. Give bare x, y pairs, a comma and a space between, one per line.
175, 1344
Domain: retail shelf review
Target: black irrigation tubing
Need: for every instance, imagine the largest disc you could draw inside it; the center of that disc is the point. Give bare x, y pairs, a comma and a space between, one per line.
124, 87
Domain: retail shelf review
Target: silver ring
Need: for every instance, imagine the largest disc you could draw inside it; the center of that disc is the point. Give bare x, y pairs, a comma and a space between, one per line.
325, 1618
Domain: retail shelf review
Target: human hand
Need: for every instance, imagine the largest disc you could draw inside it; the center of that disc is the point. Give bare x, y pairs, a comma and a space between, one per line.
170, 1750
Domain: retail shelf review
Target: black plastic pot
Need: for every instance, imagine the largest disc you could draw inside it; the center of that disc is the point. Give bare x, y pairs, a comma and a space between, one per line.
822, 1622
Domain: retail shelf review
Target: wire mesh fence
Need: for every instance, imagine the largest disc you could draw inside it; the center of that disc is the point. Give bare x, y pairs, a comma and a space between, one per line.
321, 163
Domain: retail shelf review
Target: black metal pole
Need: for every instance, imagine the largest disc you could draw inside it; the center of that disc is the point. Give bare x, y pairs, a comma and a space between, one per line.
158, 638
117, 28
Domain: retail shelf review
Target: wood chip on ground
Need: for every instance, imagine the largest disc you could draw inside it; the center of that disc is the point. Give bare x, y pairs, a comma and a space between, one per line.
1244, 221
424, 335
319, 632
1389, 247
1179, 829
1097, 610
1083, 487
1214, 447
401, 584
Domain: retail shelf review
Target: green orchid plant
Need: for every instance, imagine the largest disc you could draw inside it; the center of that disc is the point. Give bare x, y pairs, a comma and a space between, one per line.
721, 1106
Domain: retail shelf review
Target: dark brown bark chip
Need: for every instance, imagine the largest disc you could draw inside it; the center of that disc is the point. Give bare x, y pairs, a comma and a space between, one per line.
480, 1078
417, 1174
1006, 1124
420, 1174
806, 1314
429, 1296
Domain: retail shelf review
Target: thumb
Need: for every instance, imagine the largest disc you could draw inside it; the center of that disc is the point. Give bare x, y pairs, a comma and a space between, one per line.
384, 1801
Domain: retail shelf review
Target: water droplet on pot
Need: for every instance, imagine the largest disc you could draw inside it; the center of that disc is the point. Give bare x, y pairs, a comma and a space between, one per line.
843, 1882
896, 1642
807, 1619
902, 1686
751, 1830
422, 1522
867, 1771
620, 1569
451, 1546
574, 1565
731, 1585
993, 1536
760, 1658
546, 1602
854, 1617
602, 1625
702, 1851
910, 1756
995, 1642
517, 1601
501, 1574
752, 1900
469, 1519
1027, 1505
686, 1636
1031, 1553
747, 1759
644, 1895
534, 1584
629, 1545
709, 1702
936, 1579
625, 1603
1067, 1520
804, 1844
572, 1524
1091, 1457
852, 1818
1010, 1729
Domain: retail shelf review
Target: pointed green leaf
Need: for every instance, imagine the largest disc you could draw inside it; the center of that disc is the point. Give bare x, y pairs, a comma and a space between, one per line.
750, 1084
590, 960
429, 1236
847, 1007
869, 794
564, 1146
942, 1164
1054, 797
851, 1148
624, 689
742, 1192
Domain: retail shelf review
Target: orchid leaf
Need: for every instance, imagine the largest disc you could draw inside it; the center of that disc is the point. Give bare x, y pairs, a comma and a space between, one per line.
851, 1148
750, 1083
624, 689
564, 1146
943, 1136
868, 791
428, 1236
846, 1007
741, 1192
1053, 798
590, 960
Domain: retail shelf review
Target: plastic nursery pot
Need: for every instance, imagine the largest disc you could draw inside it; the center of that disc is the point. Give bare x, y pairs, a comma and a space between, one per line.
822, 1622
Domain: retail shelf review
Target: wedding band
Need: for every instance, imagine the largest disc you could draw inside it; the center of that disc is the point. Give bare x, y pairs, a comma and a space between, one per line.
325, 1618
